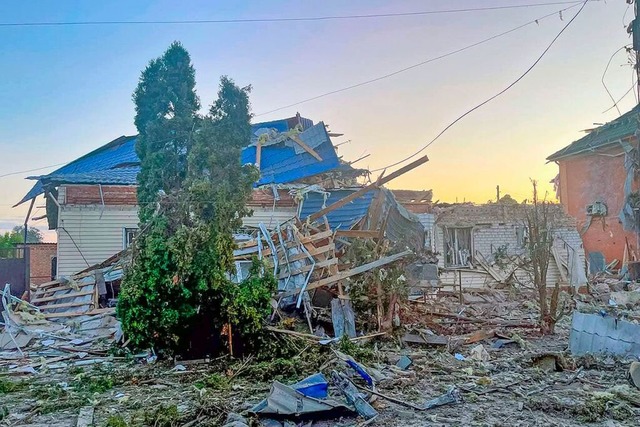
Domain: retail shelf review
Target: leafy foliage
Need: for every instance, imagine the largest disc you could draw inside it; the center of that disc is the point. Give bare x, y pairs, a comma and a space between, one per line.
375, 293
10, 239
192, 191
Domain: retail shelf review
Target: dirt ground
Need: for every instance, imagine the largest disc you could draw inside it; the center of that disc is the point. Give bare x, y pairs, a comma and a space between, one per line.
532, 381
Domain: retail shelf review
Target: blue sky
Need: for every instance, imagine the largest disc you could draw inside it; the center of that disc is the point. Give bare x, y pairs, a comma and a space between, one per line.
67, 90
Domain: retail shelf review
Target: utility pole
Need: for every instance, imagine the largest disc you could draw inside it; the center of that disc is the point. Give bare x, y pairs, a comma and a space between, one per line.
497, 193
634, 29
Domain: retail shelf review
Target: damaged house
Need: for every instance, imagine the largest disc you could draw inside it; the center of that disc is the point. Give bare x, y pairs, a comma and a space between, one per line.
92, 204
485, 245
598, 185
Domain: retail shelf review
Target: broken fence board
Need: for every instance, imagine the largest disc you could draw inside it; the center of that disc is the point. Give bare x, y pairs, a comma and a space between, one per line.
353, 272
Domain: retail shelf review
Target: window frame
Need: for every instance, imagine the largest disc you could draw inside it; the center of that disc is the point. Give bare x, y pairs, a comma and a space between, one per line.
456, 261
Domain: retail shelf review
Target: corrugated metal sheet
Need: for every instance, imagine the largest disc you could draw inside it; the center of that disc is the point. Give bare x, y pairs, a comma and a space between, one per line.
402, 225
280, 164
93, 232
343, 218
595, 334
117, 176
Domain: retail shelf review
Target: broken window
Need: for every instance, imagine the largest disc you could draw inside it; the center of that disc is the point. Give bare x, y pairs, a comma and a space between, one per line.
457, 247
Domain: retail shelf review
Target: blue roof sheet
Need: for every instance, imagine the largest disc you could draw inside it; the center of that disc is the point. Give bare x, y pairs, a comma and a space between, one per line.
343, 218
118, 152
117, 162
117, 176
280, 164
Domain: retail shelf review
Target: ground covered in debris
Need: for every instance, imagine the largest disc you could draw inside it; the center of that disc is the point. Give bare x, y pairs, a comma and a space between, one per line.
507, 375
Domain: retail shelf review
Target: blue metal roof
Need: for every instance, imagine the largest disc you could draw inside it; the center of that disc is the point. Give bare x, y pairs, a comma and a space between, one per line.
280, 164
344, 217
116, 176
119, 152
117, 163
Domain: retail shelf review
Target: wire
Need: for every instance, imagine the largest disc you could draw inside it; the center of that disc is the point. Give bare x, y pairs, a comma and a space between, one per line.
450, 125
615, 103
31, 170
294, 19
419, 64
604, 73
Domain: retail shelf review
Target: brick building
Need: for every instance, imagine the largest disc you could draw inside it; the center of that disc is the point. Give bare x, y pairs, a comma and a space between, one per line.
42, 262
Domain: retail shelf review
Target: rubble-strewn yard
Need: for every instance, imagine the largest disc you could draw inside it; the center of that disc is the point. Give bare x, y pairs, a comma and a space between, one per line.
529, 380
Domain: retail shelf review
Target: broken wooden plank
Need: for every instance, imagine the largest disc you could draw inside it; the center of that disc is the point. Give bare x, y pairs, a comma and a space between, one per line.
425, 339
480, 335
64, 296
558, 260
492, 271
305, 147
110, 310
258, 153
353, 196
66, 305
42, 292
353, 272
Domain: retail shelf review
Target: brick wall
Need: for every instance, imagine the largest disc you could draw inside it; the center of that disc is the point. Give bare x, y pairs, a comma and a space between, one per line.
594, 178
112, 195
40, 256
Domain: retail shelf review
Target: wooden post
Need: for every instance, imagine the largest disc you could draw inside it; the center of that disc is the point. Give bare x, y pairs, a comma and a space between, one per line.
258, 153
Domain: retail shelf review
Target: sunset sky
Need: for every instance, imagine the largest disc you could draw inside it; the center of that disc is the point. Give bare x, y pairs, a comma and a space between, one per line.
66, 90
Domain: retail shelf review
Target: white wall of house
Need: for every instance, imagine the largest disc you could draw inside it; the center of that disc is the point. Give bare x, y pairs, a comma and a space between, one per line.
88, 235
270, 217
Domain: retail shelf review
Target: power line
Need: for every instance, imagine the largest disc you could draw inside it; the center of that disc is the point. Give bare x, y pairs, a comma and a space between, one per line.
419, 64
615, 103
604, 74
450, 125
534, 21
31, 170
282, 19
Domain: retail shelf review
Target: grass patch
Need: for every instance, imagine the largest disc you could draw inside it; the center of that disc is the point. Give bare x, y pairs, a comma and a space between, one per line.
8, 386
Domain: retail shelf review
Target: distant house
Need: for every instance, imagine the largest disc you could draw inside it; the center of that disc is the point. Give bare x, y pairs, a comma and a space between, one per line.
483, 245
92, 201
598, 185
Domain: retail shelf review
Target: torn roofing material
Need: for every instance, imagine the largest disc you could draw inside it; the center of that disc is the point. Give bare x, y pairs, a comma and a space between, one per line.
343, 218
607, 134
283, 162
117, 162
